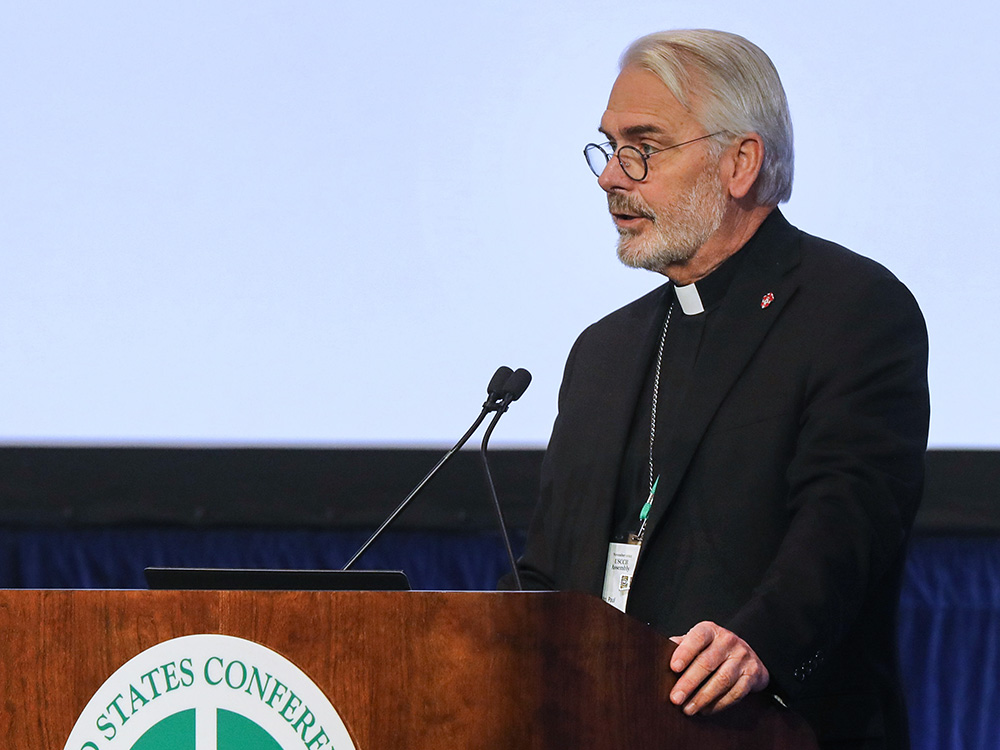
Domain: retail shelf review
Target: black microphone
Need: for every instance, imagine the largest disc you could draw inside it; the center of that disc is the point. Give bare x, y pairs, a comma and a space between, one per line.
516, 384
495, 390
513, 389
497, 393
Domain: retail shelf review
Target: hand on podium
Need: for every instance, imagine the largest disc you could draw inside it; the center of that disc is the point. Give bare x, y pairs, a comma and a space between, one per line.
721, 663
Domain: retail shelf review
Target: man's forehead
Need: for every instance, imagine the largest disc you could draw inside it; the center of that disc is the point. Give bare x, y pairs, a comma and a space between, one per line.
641, 104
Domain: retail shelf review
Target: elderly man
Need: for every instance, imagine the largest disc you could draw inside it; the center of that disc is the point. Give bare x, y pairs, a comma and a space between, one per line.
738, 455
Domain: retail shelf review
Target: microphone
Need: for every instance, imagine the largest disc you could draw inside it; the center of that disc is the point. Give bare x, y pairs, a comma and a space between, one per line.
515, 386
497, 393
495, 390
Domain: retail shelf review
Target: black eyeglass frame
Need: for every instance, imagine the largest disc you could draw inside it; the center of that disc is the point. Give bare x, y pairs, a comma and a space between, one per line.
643, 157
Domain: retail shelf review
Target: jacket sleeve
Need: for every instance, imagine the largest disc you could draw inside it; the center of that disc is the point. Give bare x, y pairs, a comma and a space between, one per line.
854, 482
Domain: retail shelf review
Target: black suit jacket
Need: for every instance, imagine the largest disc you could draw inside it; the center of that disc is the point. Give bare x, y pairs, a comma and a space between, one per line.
785, 502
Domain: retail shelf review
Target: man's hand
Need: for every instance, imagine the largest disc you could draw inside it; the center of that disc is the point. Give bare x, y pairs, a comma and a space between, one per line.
721, 662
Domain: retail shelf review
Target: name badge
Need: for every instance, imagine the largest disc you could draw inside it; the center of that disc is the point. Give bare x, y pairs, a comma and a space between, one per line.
619, 571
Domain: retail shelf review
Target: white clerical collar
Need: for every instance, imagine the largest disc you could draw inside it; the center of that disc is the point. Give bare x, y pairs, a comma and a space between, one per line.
690, 299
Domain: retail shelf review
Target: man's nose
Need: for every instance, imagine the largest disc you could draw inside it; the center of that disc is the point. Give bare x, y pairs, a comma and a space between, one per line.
614, 176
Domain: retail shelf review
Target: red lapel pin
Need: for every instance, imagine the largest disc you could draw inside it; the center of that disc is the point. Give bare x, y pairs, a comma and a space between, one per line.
766, 300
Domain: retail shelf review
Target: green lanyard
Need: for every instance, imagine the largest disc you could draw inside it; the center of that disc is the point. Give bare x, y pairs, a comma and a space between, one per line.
644, 514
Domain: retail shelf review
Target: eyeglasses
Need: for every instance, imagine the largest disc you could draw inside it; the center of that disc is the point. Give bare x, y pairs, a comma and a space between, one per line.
634, 162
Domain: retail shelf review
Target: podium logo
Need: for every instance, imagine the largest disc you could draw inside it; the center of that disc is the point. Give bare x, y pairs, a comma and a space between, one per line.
209, 692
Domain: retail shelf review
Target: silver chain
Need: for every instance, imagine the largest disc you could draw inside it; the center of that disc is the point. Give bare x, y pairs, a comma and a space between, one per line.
656, 393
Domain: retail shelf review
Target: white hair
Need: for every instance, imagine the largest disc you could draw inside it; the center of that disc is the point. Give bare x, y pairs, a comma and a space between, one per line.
738, 91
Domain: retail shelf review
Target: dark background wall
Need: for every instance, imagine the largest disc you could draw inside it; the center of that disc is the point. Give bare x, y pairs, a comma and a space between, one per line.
351, 489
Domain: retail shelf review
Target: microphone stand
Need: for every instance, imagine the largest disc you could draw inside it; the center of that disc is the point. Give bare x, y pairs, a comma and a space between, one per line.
493, 492
493, 402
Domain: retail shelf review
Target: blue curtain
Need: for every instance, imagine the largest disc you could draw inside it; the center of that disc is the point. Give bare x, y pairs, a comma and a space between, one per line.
949, 628
114, 558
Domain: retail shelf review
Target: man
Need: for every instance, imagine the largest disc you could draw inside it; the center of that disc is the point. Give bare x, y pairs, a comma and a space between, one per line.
738, 454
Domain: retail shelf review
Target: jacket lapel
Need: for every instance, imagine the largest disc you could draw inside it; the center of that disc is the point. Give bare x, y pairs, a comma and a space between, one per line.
629, 351
732, 336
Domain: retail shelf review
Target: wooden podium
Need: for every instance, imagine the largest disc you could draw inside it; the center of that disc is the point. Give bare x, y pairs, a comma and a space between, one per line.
404, 670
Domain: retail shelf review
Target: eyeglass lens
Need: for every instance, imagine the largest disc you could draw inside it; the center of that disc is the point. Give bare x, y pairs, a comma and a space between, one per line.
631, 159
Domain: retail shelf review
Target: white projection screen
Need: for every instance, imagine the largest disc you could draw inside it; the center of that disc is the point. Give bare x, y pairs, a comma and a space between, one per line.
327, 223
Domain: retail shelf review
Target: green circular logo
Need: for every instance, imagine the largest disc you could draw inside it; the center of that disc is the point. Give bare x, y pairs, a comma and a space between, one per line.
209, 692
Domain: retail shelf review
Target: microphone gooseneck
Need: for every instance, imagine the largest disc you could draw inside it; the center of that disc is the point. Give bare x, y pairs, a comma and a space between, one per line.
498, 392
513, 389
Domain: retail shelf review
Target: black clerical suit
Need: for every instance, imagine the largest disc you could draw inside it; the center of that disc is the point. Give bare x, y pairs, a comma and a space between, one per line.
790, 471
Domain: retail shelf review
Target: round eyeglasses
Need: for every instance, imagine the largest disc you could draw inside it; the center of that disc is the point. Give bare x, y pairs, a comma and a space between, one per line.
634, 163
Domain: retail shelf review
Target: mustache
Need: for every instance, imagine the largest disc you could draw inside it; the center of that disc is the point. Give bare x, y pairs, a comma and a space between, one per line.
622, 203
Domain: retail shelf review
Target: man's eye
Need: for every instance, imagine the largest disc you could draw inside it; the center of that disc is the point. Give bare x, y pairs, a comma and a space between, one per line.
646, 149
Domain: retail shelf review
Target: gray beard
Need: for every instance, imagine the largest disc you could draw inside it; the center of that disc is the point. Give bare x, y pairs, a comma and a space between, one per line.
677, 232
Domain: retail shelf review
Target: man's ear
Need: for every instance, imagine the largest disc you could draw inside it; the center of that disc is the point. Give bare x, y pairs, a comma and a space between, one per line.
746, 157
